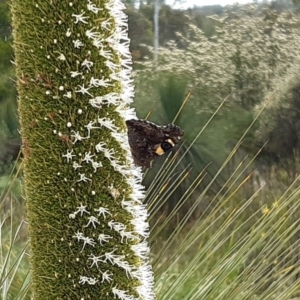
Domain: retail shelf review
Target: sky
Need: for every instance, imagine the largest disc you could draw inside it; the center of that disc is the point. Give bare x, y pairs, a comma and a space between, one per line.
191, 3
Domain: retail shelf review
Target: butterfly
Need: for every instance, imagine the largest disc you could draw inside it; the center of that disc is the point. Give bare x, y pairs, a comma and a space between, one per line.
148, 140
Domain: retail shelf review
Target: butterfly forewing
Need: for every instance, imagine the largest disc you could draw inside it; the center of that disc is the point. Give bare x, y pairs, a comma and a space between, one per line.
148, 140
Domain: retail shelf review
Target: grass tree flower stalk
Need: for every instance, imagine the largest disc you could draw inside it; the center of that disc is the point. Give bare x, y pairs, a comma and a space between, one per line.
87, 224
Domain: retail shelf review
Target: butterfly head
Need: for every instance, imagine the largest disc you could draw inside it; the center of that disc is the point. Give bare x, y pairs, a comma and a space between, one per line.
174, 133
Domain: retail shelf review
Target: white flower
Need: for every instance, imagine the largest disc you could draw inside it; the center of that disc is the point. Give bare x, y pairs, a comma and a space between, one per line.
104, 238
92, 34
112, 40
109, 256
75, 74
142, 250
83, 90
121, 169
77, 136
100, 82
114, 192
106, 276
83, 279
127, 235
117, 226
122, 138
112, 66
126, 62
120, 262
81, 209
68, 33
96, 165
108, 99
95, 260
61, 56
92, 7
106, 24
88, 157
103, 211
108, 123
90, 126
109, 154
87, 64
78, 235
68, 95
72, 216
83, 178
92, 281
98, 42
122, 295
141, 226
92, 220
80, 18
69, 155
76, 165
87, 241
105, 53
99, 147
77, 44
88, 280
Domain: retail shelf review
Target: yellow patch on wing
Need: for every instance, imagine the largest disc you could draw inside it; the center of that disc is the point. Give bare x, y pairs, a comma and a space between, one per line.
159, 151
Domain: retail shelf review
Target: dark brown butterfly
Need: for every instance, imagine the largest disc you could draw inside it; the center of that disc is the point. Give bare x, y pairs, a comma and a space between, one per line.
148, 140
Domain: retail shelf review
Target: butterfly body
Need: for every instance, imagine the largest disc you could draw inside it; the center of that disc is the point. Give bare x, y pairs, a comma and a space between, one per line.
148, 140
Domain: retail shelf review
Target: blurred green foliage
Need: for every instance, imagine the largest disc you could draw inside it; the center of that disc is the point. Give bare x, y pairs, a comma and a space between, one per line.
280, 122
9, 123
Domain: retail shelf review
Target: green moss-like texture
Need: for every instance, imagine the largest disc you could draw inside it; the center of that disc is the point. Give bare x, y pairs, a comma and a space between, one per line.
77, 174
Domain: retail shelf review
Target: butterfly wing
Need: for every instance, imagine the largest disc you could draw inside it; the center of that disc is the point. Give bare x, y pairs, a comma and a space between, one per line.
142, 137
148, 140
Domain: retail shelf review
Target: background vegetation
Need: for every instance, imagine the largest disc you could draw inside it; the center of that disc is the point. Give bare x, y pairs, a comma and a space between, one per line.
225, 210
